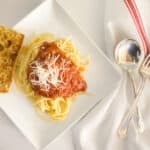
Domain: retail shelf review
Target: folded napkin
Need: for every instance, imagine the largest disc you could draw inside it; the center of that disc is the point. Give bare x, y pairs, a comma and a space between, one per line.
98, 131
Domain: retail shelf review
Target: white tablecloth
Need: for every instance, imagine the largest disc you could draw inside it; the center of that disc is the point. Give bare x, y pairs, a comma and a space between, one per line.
98, 131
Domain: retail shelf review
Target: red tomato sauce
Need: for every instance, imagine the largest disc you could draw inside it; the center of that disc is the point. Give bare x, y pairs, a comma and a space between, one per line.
71, 79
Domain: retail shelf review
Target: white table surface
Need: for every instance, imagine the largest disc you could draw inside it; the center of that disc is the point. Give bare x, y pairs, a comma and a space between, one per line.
12, 11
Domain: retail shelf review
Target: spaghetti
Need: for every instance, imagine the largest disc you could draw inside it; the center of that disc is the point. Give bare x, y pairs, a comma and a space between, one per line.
55, 106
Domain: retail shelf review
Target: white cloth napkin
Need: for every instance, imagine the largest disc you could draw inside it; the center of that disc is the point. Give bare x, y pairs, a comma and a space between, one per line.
98, 131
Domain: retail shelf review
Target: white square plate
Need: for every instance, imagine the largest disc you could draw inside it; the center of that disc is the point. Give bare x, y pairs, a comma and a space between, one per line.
101, 76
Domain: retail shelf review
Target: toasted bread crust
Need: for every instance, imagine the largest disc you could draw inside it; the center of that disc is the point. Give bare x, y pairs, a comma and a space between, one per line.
10, 43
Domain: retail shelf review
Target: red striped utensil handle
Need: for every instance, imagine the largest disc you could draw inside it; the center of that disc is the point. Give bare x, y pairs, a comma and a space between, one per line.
133, 9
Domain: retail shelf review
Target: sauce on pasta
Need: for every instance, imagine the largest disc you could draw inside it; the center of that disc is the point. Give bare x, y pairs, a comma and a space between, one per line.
53, 75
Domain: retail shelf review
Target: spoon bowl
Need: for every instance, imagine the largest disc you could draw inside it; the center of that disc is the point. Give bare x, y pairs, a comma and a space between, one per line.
128, 54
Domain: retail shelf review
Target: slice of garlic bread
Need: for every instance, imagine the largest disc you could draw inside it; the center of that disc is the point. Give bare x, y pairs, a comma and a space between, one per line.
10, 43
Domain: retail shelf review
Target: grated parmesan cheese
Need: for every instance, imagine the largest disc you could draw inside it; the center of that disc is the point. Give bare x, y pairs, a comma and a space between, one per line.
47, 72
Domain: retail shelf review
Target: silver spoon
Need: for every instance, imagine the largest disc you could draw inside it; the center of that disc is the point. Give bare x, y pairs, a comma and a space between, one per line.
145, 73
127, 55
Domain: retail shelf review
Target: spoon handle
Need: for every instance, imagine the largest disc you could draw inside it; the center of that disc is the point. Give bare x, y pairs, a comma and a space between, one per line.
122, 131
137, 118
132, 7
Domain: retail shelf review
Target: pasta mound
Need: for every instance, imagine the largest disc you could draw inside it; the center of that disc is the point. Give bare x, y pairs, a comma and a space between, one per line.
57, 108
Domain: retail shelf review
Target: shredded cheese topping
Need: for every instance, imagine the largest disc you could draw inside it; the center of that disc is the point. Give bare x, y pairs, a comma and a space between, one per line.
47, 72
